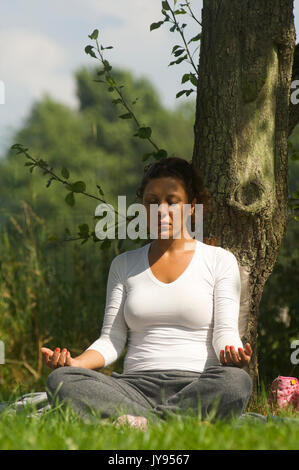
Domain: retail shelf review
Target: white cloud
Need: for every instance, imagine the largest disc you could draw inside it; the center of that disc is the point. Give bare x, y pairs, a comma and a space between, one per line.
35, 63
130, 10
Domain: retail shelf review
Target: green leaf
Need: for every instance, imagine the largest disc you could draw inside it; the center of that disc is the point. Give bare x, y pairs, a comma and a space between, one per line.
29, 164
180, 12
100, 190
172, 29
185, 78
116, 101
180, 93
165, 6
195, 38
156, 25
111, 81
144, 132
126, 116
70, 199
193, 79
65, 173
49, 182
175, 48
84, 230
178, 52
295, 195
107, 66
94, 34
78, 187
42, 162
88, 50
178, 61
160, 154
188, 92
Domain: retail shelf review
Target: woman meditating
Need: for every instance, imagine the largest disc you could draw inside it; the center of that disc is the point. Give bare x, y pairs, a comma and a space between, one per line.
177, 299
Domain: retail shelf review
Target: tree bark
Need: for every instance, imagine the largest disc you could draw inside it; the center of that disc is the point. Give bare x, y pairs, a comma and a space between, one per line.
241, 131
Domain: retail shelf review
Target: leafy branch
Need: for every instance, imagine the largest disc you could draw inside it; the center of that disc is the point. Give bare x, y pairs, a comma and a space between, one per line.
72, 187
143, 132
187, 4
181, 51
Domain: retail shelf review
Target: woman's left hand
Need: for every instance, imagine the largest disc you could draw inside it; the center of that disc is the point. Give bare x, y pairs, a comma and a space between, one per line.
240, 358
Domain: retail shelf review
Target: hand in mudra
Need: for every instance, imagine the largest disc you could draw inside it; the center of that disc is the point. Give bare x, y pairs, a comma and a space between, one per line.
54, 359
239, 358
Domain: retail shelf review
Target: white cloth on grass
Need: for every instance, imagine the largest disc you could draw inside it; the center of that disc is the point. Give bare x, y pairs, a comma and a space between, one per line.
36, 403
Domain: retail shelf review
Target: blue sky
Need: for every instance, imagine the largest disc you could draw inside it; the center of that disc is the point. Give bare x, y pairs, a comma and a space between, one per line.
42, 44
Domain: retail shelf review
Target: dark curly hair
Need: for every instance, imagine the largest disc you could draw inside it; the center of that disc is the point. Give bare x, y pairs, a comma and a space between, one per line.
188, 175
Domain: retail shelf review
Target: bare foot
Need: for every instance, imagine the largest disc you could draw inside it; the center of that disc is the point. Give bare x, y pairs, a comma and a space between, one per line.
134, 421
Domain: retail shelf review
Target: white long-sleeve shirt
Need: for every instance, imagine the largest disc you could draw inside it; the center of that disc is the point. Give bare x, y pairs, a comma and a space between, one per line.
180, 325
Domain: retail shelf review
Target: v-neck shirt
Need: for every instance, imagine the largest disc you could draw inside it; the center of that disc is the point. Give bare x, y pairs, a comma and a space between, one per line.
180, 325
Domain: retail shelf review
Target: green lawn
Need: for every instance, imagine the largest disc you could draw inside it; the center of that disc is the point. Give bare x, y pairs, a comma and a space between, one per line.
62, 429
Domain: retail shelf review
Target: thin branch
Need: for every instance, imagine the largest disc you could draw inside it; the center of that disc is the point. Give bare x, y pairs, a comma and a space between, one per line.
124, 101
191, 13
184, 40
57, 178
24, 364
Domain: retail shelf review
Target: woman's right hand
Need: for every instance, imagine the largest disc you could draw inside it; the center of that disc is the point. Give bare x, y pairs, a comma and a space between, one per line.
55, 359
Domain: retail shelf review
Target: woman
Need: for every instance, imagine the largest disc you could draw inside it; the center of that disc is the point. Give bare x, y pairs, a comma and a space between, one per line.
179, 300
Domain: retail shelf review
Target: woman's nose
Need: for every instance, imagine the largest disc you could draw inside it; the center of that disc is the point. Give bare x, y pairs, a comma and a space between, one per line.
163, 210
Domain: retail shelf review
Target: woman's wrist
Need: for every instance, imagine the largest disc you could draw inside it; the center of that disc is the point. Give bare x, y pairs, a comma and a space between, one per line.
90, 359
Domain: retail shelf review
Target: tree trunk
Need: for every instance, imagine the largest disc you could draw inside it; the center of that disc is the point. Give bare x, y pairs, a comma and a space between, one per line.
241, 132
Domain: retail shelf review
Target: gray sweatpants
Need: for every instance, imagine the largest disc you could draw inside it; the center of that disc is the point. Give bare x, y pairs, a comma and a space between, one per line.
221, 390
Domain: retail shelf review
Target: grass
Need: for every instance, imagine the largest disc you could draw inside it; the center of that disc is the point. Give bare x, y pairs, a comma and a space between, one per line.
62, 429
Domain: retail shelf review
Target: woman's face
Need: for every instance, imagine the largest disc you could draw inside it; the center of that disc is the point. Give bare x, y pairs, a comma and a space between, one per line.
169, 195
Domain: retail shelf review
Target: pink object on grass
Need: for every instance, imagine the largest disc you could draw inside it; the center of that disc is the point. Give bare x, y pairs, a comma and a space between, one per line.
284, 391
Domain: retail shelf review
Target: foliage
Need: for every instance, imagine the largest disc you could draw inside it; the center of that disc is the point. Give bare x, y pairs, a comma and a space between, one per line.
61, 429
90, 145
